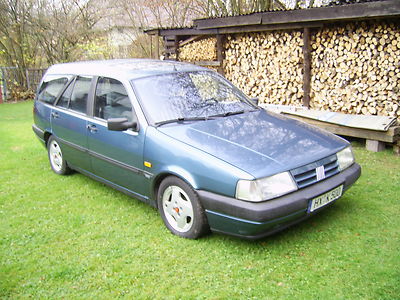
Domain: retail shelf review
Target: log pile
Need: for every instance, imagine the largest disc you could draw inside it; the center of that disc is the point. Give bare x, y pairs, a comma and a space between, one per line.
200, 50
356, 69
267, 65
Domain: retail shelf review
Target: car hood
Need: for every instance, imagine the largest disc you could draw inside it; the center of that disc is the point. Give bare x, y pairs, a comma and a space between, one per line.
260, 143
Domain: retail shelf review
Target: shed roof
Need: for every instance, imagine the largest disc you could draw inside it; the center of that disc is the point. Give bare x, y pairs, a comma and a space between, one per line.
291, 19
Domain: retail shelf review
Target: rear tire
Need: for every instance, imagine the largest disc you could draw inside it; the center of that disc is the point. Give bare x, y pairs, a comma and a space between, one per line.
180, 209
57, 162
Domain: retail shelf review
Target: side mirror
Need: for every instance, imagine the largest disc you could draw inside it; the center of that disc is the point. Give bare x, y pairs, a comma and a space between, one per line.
120, 124
254, 101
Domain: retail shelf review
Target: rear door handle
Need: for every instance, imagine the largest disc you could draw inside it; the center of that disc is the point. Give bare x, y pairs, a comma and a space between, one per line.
55, 115
92, 128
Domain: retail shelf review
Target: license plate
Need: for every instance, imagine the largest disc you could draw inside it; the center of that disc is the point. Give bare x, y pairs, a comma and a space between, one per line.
326, 198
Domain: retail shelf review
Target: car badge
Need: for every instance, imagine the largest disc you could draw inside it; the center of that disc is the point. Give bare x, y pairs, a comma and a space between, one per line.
320, 173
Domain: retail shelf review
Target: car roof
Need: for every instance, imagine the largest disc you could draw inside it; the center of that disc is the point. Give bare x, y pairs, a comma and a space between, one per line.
126, 68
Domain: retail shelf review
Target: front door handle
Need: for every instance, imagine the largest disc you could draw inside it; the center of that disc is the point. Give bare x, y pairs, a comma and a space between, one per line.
92, 128
55, 115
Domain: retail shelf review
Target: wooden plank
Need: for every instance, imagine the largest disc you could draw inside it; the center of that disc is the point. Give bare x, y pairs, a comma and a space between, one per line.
244, 20
359, 11
210, 63
306, 67
228, 30
220, 53
187, 32
390, 136
189, 40
157, 52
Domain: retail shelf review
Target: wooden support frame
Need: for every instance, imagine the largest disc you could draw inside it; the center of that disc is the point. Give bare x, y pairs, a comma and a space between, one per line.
220, 53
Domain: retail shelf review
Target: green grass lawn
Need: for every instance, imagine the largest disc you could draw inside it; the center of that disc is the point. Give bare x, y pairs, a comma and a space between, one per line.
72, 237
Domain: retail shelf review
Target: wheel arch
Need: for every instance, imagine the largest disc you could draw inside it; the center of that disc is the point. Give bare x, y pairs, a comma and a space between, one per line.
46, 137
176, 172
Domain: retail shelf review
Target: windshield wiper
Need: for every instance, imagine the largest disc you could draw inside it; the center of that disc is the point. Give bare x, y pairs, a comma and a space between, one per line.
229, 113
182, 119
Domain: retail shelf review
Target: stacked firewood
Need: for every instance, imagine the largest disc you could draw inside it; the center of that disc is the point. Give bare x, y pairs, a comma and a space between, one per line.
200, 50
356, 69
267, 65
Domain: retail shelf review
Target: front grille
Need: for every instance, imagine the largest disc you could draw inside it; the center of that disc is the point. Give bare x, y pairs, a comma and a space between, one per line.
307, 175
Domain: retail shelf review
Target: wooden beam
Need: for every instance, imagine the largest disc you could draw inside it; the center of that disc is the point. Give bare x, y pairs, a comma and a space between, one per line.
157, 53
189, 40
244, 20
220, 53
357, 11
238, 29
306, 67
151, 46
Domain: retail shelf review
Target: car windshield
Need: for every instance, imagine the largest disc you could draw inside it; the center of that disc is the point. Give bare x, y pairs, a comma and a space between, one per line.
191, 96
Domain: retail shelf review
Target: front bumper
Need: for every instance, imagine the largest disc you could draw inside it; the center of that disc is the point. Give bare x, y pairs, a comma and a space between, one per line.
256, 220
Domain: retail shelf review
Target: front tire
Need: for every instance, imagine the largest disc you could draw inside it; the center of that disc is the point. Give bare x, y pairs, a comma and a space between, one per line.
56, 159
180, 209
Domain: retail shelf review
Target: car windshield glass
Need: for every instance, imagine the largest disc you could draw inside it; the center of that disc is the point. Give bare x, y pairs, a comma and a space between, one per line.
189, 95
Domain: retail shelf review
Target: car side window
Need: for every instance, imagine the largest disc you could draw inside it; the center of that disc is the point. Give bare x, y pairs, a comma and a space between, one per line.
80, 94
64, 99
75, 97
111, 100
51, 87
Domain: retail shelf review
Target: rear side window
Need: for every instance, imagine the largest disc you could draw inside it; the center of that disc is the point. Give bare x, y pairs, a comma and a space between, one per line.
75, 97
51, 87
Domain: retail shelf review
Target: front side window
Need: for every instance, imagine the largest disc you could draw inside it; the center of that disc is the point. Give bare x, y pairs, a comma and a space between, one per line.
111, 100
51, 87
188, 95
75, 97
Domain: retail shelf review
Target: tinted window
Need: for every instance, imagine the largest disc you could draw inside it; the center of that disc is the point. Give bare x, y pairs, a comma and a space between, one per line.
111, 100
80, 94
64, 99
51, 87
75, 97
188, 94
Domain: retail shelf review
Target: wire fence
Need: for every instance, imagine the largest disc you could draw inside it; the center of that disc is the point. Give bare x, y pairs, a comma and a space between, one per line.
14, 83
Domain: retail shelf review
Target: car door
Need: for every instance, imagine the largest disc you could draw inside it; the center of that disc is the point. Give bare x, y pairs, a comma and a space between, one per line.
69, 122
116, 156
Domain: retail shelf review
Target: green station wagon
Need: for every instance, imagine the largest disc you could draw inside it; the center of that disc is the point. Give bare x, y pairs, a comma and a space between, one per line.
185, 140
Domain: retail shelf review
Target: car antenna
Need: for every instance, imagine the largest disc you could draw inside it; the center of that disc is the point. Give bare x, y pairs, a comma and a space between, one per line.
175, 69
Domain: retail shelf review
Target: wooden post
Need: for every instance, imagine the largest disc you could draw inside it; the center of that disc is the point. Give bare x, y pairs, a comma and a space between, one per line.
157, 52
220, 54
176, 48
307, 67
151, 46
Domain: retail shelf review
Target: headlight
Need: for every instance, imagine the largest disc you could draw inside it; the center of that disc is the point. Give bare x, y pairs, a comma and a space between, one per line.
265, 188
345, 158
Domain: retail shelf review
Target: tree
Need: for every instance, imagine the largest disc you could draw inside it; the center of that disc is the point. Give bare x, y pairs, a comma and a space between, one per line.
217, 8
63, 28
17, 48
145, 14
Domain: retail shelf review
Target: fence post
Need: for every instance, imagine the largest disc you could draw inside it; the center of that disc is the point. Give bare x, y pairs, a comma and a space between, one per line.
4, 76
1, 83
